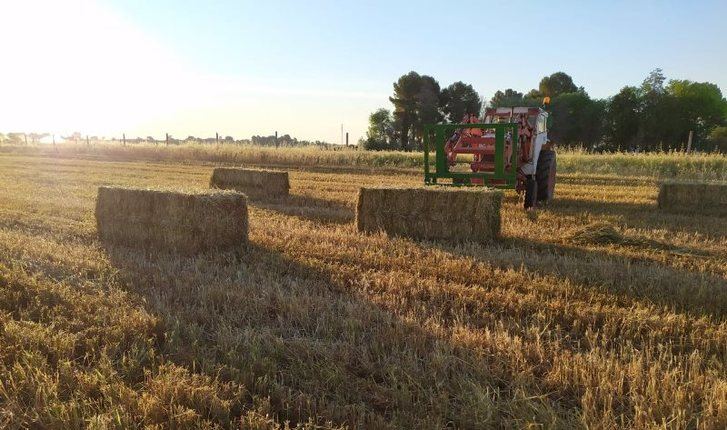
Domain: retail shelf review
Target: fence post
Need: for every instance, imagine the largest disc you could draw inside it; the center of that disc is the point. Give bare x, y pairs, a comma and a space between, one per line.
123, 137
346, 139
166, 139
689, 141
25, 135
276, 139
217, 138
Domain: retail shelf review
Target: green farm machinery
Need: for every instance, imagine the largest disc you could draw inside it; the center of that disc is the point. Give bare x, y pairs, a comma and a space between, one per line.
508, 148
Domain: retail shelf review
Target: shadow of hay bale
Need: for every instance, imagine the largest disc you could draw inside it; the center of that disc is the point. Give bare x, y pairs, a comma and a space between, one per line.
431, 213
255, 183
178, 222
695, 197
310, 208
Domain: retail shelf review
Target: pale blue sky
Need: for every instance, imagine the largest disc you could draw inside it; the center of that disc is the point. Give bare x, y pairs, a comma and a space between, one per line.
304, 68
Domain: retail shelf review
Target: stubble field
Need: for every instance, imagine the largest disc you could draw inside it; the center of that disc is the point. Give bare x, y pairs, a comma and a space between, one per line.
599, 312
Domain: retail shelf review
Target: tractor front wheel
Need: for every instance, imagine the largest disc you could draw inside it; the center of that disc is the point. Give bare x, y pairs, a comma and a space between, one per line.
545, 176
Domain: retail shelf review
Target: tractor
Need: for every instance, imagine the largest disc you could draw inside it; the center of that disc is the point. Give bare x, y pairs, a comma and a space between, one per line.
509, 149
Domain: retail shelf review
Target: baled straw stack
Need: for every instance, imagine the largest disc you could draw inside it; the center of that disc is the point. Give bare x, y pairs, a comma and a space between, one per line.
257, 184
457, 214
181, 222
693, 197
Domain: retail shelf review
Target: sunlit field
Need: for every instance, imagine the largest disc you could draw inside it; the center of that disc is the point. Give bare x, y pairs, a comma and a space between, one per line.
600, 311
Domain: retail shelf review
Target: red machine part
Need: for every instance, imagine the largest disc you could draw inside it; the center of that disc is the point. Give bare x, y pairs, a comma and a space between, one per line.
481, 142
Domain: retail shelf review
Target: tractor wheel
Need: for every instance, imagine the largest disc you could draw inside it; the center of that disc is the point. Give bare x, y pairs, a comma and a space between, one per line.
531, 192
545, 175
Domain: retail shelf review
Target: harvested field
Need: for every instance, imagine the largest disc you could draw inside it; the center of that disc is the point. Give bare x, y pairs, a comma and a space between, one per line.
689, 197
183, 222
253, 182
602, 311
445, 213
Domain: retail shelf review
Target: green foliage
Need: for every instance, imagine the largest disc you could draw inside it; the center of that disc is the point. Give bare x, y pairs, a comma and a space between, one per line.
459, 99
416, 102
650, 117
380, 134
623, 118
405, 100
718, 139
507, 98
583, 124
556, 84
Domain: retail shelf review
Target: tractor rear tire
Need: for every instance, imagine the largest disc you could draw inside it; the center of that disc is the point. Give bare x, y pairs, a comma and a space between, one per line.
545, 176
531, 192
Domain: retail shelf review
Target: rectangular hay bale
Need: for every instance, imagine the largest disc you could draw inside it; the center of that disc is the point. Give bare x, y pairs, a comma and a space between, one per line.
255, 183
693, 197
181, 222
457, 214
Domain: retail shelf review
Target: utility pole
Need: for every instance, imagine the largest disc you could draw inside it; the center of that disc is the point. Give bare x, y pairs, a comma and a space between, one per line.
217, 138
346, 138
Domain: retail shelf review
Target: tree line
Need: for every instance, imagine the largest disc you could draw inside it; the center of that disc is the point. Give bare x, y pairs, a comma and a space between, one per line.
656, 115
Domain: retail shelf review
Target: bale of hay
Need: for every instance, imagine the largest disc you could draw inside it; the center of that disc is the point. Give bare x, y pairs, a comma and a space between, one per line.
181, 222
457, 214
254, 183
693, 197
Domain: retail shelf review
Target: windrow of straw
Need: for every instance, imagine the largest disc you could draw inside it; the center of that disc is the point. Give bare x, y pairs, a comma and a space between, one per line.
185, 223
693, 197
457, 214
254, 183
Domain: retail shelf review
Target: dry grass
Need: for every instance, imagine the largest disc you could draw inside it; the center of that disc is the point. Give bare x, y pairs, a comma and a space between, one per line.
445, 213
320, 325
665, 165
185, 222
254, 183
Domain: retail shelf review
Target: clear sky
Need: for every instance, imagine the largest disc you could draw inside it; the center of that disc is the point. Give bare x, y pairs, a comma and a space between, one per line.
306, 67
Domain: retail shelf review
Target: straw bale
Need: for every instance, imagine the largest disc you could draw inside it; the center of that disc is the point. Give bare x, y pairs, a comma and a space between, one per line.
457, 214
254, 183
181, 222
693, 197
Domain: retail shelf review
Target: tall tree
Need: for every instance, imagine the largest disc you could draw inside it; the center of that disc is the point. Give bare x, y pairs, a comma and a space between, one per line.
416, 102
459, 99
578, 120
699, 106
556, 84
405, 100
427, 107
623, 118
507, 98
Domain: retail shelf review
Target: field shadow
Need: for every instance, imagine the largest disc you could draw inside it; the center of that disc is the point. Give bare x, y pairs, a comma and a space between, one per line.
297, 335
309, 208
691, 293
642, 215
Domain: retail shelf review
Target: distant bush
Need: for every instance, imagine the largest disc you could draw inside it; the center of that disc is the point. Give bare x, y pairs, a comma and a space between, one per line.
718, 139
